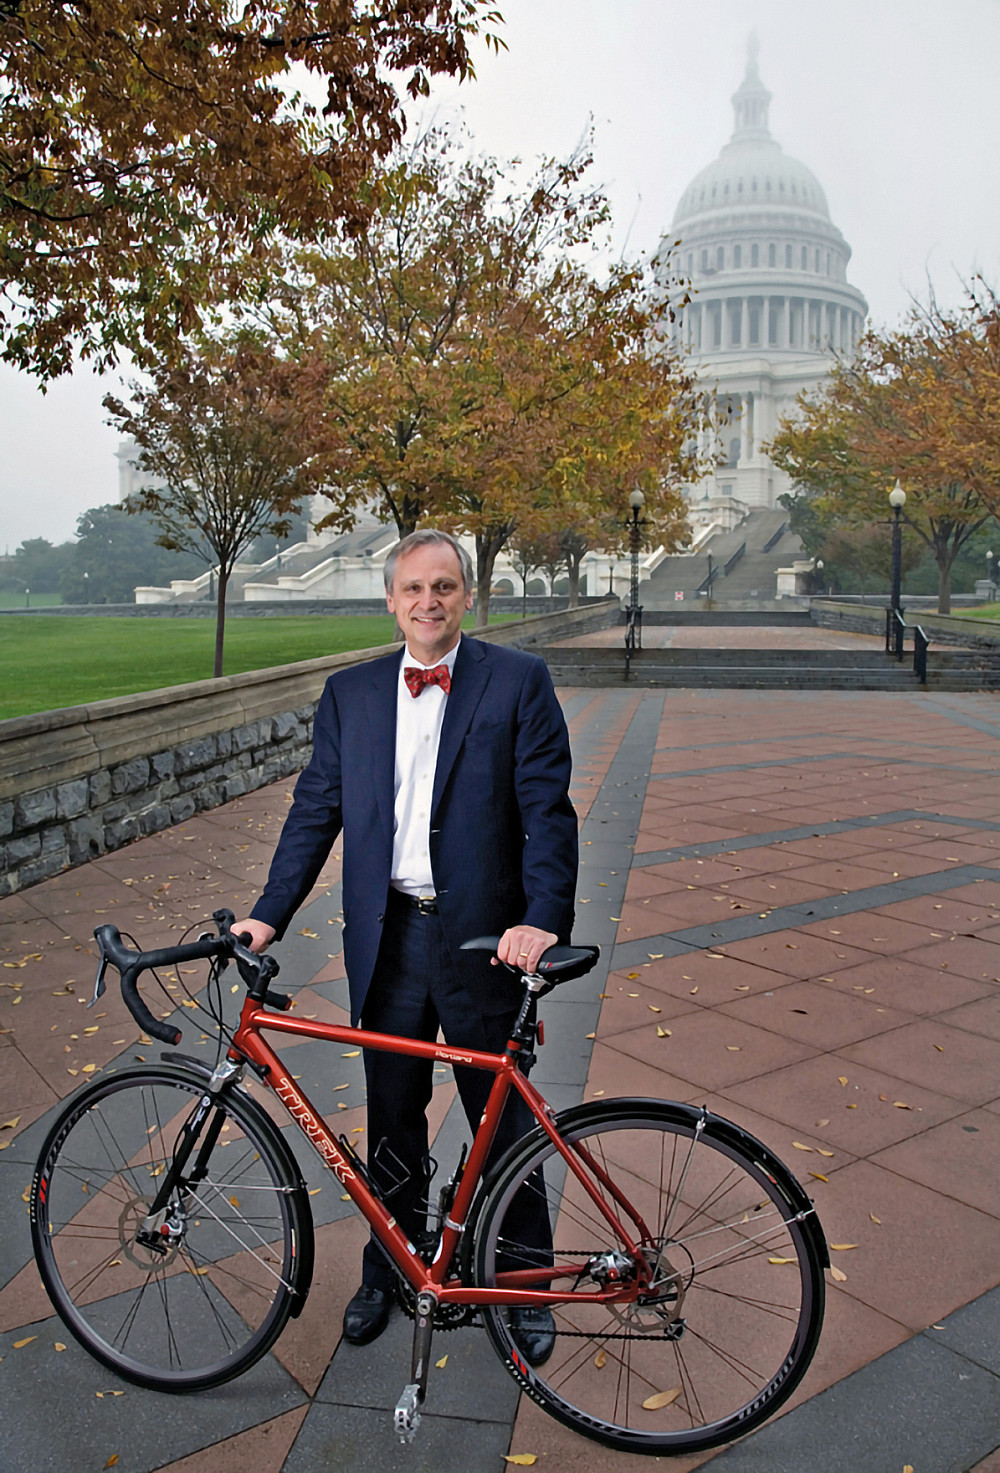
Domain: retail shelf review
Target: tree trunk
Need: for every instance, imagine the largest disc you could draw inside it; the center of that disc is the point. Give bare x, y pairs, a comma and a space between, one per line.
485, 558
573, 574
488, 545
944, 583
220, 617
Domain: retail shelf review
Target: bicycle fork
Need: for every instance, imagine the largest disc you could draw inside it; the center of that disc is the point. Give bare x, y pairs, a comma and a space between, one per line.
406, 1417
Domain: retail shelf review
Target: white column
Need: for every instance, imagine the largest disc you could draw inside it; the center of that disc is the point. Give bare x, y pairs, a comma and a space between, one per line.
744, 322
765, 325
788, 323
746, 429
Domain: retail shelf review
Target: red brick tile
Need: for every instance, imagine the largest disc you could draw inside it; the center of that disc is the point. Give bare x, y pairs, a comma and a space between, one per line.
899, 983
795, 952
816, 1014
965, 955
870, 931
855, 1116
936, 1057
710, 1049
958, 1158
927, 1255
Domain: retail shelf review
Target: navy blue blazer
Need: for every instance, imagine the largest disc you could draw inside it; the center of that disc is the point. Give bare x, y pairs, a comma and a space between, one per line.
503, 837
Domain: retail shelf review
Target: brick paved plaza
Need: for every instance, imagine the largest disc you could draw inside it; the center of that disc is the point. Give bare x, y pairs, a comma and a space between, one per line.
803, 892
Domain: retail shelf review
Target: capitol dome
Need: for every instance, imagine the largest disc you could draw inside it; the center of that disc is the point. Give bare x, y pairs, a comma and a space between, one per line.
771, 307
751, 174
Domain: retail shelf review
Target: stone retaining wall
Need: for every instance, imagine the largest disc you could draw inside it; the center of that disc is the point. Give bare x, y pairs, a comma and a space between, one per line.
939, 628
328, 608
84, 780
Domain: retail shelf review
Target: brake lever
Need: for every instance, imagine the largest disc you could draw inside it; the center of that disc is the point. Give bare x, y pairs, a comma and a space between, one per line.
100, 986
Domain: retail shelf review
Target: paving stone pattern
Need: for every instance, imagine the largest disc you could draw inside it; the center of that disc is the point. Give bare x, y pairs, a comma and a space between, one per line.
803, 890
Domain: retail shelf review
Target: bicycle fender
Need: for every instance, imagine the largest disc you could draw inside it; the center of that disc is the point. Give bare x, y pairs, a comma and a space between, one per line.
306, 1248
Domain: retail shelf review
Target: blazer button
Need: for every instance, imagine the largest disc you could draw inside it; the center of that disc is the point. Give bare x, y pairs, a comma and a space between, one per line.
381, 919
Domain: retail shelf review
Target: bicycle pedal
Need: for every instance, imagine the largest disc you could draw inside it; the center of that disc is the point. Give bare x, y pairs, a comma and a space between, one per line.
406, 1417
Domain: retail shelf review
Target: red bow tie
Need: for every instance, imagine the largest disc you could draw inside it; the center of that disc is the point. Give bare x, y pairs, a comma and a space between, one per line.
417, 679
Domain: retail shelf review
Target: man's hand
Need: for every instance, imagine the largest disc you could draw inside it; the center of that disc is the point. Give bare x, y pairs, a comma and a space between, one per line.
522, 946
262, 934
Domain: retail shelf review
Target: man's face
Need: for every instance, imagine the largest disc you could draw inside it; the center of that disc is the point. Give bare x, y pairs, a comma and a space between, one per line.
428, 598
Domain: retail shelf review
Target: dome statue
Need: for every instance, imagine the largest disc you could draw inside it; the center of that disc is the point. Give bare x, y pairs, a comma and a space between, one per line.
771, 305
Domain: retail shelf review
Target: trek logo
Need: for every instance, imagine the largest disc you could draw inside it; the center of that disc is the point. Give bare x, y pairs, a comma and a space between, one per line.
314, 1129
450, 1057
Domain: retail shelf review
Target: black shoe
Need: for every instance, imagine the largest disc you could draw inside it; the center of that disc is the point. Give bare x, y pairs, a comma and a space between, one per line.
367, 1315
534, 1332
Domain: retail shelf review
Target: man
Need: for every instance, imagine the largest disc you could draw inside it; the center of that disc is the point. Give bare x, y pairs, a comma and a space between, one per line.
447, 767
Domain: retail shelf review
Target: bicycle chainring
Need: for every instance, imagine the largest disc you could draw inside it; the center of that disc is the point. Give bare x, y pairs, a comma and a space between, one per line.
446, 1316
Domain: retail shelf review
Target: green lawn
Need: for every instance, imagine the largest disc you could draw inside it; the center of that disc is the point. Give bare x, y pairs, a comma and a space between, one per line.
982, 611
65, 661
14, 599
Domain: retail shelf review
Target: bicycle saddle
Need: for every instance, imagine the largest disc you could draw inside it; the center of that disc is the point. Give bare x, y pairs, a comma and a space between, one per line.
558, 964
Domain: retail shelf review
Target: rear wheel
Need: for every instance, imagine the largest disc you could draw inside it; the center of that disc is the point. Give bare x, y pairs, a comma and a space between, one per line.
721, 1307
203, 1296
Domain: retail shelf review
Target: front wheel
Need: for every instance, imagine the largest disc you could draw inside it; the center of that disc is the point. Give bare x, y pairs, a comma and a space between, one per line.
718, 1311
202, 1296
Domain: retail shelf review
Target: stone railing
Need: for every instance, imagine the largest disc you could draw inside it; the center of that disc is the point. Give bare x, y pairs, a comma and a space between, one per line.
951, 629
84, 780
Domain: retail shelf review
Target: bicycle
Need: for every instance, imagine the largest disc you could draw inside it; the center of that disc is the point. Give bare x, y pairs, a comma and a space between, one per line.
173, 1232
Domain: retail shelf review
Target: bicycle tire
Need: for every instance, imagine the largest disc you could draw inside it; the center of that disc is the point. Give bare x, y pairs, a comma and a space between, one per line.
239, 1260
737, 1258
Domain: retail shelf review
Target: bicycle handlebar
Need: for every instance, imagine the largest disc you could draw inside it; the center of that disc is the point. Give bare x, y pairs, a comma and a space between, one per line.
256, 971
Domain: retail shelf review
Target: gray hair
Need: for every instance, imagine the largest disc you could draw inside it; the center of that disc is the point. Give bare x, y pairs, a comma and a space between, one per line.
427, 537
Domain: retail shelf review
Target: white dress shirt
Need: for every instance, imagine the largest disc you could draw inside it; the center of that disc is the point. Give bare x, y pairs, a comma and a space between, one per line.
418, 734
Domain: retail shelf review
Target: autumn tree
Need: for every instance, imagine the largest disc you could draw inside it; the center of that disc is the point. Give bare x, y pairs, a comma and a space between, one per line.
146, 144
473, 355
223, 433
914, 405
855, 555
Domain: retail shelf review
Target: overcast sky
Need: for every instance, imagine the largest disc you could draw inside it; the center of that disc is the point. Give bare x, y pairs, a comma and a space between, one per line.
893, 104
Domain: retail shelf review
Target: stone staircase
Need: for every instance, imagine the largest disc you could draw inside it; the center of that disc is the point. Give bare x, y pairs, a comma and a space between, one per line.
781, 669
753, 576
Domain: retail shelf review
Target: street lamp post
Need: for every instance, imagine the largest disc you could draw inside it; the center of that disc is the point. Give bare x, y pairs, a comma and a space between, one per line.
633, 617
897, 500
989, 571
636, 503
819, 571
86, 588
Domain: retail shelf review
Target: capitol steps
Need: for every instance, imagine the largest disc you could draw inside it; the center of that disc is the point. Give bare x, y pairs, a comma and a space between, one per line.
769, 669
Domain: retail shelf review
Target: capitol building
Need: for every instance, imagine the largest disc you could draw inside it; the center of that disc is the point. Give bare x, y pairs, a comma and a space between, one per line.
771, 303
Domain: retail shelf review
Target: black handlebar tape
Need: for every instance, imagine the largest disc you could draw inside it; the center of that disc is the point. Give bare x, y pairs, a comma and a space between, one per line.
131, 963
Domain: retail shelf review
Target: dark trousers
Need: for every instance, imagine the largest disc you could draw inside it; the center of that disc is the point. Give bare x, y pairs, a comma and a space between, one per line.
416, 989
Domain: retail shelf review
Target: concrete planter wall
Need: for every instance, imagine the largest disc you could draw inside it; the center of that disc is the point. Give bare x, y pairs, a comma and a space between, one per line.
84, 780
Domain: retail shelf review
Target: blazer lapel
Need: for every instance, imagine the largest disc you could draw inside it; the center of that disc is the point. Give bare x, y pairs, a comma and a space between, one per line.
469, 681
380, 706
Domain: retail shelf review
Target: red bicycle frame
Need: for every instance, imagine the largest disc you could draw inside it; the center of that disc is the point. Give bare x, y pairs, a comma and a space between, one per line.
248, 1043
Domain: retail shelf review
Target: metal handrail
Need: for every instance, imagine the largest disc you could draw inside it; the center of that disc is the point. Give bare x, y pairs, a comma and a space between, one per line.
895, 632
775, 537
734, 559
920, 643
633, 634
